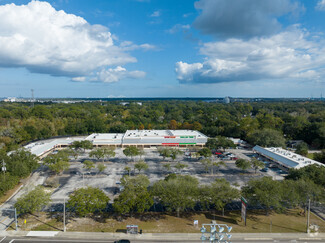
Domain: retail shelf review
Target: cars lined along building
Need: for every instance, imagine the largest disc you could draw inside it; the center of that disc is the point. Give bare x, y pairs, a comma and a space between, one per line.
285, 158
138, 138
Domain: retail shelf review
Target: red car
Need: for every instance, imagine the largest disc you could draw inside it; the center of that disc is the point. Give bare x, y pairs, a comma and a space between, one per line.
218, 153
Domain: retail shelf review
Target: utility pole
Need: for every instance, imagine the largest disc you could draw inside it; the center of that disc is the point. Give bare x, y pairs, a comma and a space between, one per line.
308, 216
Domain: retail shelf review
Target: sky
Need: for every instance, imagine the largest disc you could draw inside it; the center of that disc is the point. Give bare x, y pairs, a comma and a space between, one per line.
162, 48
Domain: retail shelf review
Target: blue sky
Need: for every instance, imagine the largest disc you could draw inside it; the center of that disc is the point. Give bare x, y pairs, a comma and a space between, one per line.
162, 48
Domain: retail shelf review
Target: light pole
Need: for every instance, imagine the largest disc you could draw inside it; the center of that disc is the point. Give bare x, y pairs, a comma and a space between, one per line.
308, 216
216, 233
64, 229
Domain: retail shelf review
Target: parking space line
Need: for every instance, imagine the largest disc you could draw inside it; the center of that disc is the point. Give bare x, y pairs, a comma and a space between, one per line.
3, 238
12, 241
4, 219
258, 239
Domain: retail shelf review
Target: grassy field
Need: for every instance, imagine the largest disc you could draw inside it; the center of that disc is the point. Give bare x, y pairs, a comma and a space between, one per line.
310, 155
9, 193
257, 222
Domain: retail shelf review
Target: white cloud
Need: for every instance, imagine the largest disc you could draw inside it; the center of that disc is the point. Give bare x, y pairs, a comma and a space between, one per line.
320, 5
114, 75
43, 40
178, 27
78, 79
185, 71
156, 13
130, 46
289, 54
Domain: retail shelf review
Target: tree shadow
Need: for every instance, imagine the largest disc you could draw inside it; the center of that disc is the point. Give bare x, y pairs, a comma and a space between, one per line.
62, 182
121, 231
51, 226
219, 218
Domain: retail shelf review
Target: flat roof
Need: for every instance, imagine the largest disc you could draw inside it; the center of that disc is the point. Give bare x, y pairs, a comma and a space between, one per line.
43, 146
286, 157
104, 136
131, 137
163, 133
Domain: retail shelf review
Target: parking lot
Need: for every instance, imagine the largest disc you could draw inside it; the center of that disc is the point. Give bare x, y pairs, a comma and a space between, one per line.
108, 180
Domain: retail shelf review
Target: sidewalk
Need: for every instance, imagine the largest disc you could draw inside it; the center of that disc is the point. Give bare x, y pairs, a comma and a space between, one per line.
7, 217
161, 236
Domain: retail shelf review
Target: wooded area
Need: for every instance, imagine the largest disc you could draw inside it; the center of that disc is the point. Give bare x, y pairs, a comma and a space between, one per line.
21, 123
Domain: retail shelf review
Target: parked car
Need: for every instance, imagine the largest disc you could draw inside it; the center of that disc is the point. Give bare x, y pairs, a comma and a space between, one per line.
122, 241
265, 169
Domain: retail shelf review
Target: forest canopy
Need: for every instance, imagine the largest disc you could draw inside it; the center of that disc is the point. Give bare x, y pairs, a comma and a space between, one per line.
21, 123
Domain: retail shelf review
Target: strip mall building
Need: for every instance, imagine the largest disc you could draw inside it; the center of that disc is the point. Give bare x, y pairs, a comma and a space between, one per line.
137, 138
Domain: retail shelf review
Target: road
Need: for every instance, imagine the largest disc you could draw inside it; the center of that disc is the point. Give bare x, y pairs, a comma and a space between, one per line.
67, 240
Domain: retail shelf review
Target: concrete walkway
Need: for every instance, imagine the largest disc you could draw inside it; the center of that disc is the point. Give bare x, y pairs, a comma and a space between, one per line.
162, 236
7, 215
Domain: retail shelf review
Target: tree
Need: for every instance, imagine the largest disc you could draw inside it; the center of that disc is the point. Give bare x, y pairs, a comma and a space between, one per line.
167, 167
172, 125
131, 152
86, 144
315, 173
57, 162
164, 152
218, 194
320, 156
207, 163
73, 152
205, 152
256, 164
128, 170
180, 166
174, 153
223, 142
141, 165
21, 163
298, 192
33, 201
135, 197
87, 200
267, 138
197, 126
141, 153
97, 153
302, 149
76, 145
176, 194
88, 165
242, 164
109, 152
217, 164
263, 191
101, 168
212, 143
83, 144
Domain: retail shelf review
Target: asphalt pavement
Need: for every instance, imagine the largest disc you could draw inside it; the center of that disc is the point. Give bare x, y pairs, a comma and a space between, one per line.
81, 240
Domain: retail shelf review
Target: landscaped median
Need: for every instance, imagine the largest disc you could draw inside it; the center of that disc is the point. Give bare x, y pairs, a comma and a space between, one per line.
257, 222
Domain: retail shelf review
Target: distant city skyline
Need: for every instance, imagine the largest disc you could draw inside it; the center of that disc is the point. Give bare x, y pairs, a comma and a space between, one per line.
154, 48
